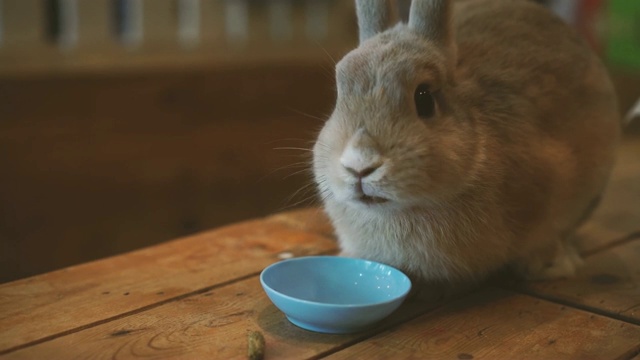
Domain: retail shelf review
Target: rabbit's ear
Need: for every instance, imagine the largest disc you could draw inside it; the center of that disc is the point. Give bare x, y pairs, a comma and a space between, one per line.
375, 16
432, 19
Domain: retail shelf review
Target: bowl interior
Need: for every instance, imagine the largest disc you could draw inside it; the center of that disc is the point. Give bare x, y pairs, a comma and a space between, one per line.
336, 280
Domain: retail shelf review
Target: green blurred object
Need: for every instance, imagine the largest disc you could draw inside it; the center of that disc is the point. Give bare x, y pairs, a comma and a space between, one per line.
623, 34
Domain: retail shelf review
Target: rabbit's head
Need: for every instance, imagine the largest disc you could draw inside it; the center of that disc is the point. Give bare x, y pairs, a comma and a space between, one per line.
397, 137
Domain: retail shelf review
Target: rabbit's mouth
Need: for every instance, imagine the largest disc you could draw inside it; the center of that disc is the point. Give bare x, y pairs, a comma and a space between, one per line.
364, 193
371, 200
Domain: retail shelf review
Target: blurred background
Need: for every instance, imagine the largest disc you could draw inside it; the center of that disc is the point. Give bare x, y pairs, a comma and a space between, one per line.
124, 123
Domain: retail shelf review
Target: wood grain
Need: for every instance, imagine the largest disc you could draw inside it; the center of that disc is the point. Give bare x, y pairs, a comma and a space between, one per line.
497, 324
313, 220
75, 297
209, 325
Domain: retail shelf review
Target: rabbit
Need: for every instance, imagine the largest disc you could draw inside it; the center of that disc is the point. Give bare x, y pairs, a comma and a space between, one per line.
475, 137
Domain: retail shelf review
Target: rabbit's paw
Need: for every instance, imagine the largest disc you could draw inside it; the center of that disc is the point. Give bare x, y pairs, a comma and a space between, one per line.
561, 263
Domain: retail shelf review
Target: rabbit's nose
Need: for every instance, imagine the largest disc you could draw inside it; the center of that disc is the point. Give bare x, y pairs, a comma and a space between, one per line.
361, 157
360, 162
361, 173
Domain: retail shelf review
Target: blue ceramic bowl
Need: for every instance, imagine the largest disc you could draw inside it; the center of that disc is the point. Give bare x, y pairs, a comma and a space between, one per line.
333, 294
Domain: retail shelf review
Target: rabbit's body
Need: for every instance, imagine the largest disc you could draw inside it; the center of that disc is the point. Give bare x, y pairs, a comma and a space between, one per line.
516, 154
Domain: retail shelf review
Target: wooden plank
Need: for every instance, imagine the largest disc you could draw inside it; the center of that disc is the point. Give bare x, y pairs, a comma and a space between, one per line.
619, 213
60, 301
497, 324
313, 220
608, 283
212, 325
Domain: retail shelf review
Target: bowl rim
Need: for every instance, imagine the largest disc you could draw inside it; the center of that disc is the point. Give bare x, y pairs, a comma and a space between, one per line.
335, 305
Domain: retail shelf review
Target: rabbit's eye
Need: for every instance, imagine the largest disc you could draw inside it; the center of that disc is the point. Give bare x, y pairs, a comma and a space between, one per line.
425, 105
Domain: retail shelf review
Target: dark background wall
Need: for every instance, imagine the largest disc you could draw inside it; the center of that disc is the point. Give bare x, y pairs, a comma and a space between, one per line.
107, 145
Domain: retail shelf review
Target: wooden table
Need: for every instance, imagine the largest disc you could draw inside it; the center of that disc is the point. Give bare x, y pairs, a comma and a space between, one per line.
198, 297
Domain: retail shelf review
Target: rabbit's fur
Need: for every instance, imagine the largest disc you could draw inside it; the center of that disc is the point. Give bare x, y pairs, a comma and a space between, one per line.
516, 156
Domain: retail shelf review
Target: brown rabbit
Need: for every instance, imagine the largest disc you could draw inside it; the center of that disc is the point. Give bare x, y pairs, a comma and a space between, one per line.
477, 135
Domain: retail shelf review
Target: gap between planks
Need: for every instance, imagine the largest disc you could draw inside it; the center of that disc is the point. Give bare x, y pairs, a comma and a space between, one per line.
631, 355
612, 244
574, 305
